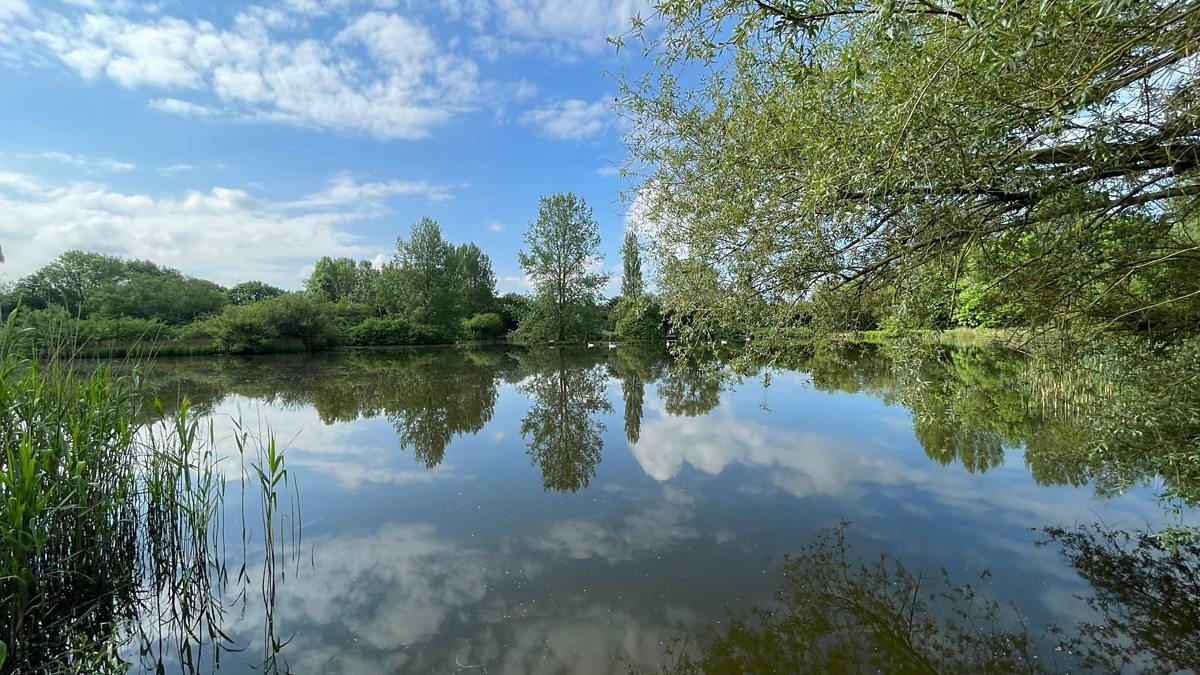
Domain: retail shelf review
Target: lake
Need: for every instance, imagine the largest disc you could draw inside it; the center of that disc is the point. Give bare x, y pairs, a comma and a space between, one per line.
595, 510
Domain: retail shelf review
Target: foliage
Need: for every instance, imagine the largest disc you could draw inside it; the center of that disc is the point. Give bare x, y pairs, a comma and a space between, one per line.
259, 327
243, 329
562, 247
418, 283
167, 296
1038, 157
512, 308
111, 521
837, 612
251, 291
487, 326
632, 283
473, 280
342, 279
69, 280
564, 435
1146, 600
640, 318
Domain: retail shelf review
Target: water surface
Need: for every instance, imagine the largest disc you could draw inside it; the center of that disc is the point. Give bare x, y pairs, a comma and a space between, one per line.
578, 510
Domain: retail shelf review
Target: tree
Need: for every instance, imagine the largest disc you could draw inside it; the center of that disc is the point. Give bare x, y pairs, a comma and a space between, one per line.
871, 144
69, 280
632, 285
167, 296
563, 245
333, 279
251, 291
512, 307
419, 282
474, 281
487, 326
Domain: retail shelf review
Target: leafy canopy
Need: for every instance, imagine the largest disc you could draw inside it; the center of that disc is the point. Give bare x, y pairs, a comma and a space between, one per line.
1049, 149
562, 249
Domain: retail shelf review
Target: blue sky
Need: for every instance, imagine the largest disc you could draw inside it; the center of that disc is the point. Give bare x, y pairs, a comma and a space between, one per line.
242, 141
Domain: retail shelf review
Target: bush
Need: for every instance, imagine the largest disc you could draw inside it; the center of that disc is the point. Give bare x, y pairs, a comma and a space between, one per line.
243, 329
124, 329
639, 319
299, 317
487, 326
377, 332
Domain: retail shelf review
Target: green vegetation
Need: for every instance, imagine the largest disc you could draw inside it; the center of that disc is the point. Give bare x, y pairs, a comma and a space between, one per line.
849, 164
563, 251
430, 292
111, 523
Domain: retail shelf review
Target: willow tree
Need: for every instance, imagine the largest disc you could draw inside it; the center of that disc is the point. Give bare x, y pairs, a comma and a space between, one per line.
827, 151
563, 246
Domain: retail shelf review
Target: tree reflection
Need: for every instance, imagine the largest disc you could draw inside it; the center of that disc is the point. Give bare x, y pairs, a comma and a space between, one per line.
435, 399
564, 436
692, 390
1147, 592
835, 613
634, 365
1110, 419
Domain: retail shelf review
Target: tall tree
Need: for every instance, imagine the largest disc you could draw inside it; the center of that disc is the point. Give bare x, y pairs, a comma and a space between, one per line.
632, 284
169, 297
69, 280
563, 246
474, 281
422, 278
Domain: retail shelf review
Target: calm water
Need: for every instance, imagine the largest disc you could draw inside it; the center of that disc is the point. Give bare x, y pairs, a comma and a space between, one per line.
577, 510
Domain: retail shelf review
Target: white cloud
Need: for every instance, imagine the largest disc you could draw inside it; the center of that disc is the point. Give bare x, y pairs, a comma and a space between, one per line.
608, 171
89, 163
558, 27
346, 190
224, 234
182, 108
571, 119
14, 9
495, 226
175, 169
797, 462
383, 74
654, 528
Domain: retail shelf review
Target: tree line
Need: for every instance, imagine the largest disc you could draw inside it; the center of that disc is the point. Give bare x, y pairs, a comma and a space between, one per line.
429, 292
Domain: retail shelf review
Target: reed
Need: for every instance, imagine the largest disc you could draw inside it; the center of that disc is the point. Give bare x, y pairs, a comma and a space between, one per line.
111, 524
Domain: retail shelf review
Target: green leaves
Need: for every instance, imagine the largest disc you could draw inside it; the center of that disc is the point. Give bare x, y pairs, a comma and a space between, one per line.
562, 253
871, 148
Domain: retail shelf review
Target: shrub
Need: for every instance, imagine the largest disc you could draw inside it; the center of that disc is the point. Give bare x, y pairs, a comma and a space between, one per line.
243, 329
487, 326
639, 319
380, 331
299, 317
124, 329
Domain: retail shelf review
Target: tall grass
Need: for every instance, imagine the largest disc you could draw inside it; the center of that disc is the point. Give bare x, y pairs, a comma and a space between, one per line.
110, 524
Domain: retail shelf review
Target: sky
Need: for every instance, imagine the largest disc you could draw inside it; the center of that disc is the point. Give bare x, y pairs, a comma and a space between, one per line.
243, 140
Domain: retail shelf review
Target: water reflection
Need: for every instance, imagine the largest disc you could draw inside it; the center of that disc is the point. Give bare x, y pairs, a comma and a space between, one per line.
836, 612
570, 510
968, 407
561, 426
